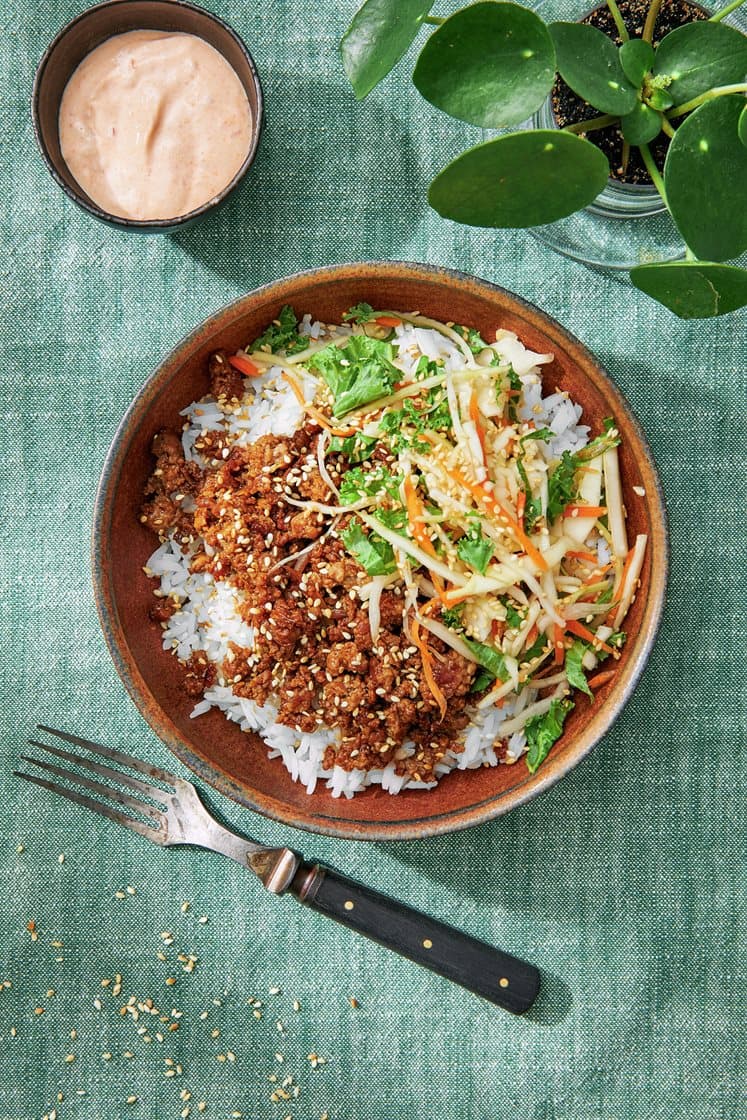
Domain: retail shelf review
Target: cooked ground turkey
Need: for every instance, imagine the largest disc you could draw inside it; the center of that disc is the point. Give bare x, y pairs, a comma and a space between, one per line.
313, 648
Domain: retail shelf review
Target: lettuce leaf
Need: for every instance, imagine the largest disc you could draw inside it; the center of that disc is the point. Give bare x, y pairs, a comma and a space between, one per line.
489, 658
373, 554
356, 449
574, 669
282, 334
357, 373
474, 548
543, 731
360, 313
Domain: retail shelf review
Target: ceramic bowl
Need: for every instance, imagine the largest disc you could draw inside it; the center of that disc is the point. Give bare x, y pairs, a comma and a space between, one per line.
86, 32
236, 763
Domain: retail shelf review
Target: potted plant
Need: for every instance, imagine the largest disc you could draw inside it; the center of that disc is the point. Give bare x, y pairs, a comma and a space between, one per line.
494, 63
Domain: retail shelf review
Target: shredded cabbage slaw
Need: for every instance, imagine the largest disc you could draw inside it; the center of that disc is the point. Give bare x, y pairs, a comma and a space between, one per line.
513, 556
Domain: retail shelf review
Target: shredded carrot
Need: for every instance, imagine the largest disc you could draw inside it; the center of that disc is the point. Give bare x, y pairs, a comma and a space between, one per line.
558, 641
320, 418
243, 365
388, 321
427, 659
584, 511
532, 635
419, 531
582, 631
487, 499
601, 678
521, 505
590, 556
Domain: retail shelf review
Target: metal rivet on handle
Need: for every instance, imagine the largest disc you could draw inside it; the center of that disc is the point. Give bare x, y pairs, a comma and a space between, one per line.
503, 981
349, 905
427, 944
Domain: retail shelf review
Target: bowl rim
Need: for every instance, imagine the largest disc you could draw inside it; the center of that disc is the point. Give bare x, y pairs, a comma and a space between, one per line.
414, 827
78, 196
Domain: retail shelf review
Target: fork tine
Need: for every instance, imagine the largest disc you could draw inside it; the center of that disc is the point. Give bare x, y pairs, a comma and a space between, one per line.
99, 788
105, 771
156, 835
123, 759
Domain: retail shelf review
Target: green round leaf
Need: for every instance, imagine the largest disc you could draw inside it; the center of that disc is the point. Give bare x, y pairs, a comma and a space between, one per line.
590, 63
642, 125
698, 56
378, 36
742, 126
636, 59
524, 179
705, 175
693, 289
492, 64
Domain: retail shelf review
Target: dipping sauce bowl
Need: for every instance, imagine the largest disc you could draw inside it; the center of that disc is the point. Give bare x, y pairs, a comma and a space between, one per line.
88, 31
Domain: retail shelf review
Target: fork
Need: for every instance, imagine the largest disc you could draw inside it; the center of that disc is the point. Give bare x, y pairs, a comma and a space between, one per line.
176, 816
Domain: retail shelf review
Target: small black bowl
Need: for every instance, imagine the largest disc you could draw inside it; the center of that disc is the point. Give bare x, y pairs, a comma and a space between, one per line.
86, 32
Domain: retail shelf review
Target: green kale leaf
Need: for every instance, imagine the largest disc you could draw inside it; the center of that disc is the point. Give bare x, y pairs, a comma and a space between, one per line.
537, 648
452, 616
513, 618
434, 417
575, 670
489, 658
533, 503
356, 449
561, 486
282, 335
360, 313
373, 554
474, 548
362, 482
543, 731
356, 373
472, 337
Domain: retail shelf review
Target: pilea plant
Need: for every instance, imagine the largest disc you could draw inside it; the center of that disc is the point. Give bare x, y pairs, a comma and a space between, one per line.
494, 63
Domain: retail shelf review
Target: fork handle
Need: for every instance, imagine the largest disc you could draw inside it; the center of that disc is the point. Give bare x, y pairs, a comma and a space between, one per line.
497, 976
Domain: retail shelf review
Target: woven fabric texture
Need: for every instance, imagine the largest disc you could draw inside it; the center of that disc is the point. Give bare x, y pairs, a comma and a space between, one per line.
624, 883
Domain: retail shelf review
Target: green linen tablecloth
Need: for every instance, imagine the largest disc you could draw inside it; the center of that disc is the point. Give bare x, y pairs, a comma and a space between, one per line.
625, 882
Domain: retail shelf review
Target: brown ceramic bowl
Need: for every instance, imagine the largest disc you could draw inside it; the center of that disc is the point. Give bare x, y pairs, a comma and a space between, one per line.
236, 763
114, 17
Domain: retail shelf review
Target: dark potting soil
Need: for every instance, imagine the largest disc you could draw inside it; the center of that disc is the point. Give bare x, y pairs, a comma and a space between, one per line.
568, 108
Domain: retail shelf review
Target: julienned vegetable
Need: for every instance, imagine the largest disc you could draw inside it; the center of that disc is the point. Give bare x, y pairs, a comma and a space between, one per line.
494, 63
506, 541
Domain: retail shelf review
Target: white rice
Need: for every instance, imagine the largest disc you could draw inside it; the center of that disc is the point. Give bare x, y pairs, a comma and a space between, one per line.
208, 618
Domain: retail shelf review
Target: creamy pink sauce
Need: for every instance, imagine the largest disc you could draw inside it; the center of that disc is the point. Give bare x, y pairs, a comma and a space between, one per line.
154, 124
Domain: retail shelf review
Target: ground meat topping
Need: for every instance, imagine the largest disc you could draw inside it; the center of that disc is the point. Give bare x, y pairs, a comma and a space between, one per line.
313, 650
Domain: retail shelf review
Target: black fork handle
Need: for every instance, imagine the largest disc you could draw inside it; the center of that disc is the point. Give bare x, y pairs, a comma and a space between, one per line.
504, 980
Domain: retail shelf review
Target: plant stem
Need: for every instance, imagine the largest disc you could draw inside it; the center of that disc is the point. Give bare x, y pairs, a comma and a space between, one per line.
689, 254
625, 156
667, 128
653, 171
622, 30
592, 124
717, 91
718, 16
437, 20
651, 17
